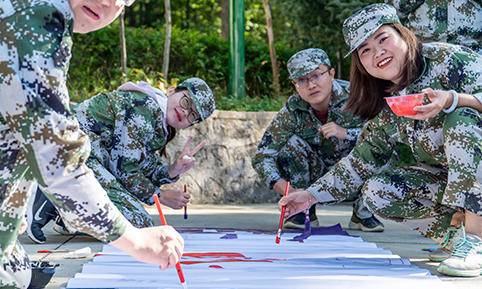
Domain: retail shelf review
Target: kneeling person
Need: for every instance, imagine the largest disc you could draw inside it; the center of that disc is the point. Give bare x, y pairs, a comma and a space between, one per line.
129, 129
310, 134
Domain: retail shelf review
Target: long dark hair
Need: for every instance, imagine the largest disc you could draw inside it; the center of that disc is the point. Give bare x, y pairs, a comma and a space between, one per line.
367, 92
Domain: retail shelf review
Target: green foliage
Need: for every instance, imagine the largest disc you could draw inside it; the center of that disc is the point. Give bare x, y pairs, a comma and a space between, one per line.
197, 49
95, 64
316, 23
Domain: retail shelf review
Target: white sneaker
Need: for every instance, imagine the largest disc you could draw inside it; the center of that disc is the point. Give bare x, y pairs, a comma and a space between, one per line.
465, 260
445, 250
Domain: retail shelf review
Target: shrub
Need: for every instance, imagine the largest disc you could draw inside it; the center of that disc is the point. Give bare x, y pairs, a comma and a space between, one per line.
95, 64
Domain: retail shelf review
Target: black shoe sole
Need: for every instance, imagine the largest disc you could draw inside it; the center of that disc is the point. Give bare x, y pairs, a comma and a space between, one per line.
357, 226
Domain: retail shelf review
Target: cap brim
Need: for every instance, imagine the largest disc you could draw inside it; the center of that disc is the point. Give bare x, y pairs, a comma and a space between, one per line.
196, 103
360, 42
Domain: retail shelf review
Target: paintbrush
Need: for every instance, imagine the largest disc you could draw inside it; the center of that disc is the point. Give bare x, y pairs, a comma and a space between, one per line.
164, 222
185, 207
54, 251
307, 221
281, 217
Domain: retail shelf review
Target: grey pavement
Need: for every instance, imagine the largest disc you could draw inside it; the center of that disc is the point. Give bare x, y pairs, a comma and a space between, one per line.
397, 238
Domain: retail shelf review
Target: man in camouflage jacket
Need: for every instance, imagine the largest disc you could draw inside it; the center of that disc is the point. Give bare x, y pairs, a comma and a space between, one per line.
310, 134
446, 173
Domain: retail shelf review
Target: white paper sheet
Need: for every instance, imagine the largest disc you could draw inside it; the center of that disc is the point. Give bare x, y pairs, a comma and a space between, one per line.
320, 262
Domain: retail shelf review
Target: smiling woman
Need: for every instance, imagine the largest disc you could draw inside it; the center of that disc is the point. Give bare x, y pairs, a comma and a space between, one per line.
392, 55
444, 139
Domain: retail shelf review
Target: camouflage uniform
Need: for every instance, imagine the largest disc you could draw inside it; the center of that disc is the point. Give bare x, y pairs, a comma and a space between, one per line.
447, 148
453, 21
40, 140
128, 130
292, 148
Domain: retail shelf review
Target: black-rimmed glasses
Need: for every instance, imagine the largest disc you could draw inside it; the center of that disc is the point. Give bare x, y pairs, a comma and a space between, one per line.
186, 103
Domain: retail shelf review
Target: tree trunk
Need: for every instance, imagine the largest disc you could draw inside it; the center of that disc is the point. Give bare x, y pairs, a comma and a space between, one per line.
123, 48
272, 49
224, 18
167, 42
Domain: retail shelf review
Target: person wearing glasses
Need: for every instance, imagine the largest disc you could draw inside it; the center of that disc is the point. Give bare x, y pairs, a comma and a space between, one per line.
129, 129
444, 135
310, 134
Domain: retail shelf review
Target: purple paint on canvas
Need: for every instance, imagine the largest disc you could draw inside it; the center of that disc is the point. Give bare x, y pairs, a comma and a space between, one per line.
229, 236
332, 230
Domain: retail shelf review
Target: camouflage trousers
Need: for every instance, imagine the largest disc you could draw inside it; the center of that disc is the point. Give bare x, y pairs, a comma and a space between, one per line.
426, 197
411, 196
16, 185
298, 162
128, 204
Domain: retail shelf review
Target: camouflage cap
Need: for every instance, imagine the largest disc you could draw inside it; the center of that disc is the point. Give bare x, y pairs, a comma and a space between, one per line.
124, 2
306, 61
364, 22
201, 95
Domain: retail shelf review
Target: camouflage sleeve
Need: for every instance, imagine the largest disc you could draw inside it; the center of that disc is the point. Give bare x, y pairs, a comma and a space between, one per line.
346, 177
405, 7
133, 162
34, 56
465, 74
275, 137
158, 170
352, 134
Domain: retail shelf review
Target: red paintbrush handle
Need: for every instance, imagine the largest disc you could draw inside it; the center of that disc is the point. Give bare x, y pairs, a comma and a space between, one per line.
180, 273
282, 215
164, 222
159, 209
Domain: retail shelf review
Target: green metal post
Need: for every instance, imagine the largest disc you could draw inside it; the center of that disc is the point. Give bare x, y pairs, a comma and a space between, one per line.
236, 86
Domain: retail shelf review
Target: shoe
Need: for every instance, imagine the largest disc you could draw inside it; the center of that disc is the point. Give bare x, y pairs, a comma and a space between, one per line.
60, 228
464, 260
445, 250
371, 224
34, 232
40, 211
298, 221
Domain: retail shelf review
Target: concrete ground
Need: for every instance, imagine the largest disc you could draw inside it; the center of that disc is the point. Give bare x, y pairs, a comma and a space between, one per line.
397, 238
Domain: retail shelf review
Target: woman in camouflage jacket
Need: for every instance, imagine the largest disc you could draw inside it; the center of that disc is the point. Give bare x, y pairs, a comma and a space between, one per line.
445, 173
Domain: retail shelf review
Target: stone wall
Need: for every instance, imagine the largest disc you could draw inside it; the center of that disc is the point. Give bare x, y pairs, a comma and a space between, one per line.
223, 173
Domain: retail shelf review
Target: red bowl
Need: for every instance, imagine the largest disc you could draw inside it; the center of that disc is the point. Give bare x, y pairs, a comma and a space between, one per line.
403, 105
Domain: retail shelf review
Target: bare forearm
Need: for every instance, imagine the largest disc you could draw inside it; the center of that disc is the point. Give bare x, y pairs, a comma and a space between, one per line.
468, 100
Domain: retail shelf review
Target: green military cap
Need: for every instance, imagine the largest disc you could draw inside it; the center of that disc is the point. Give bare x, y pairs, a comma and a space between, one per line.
306, 61
201, 95
124, 2
364, 22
